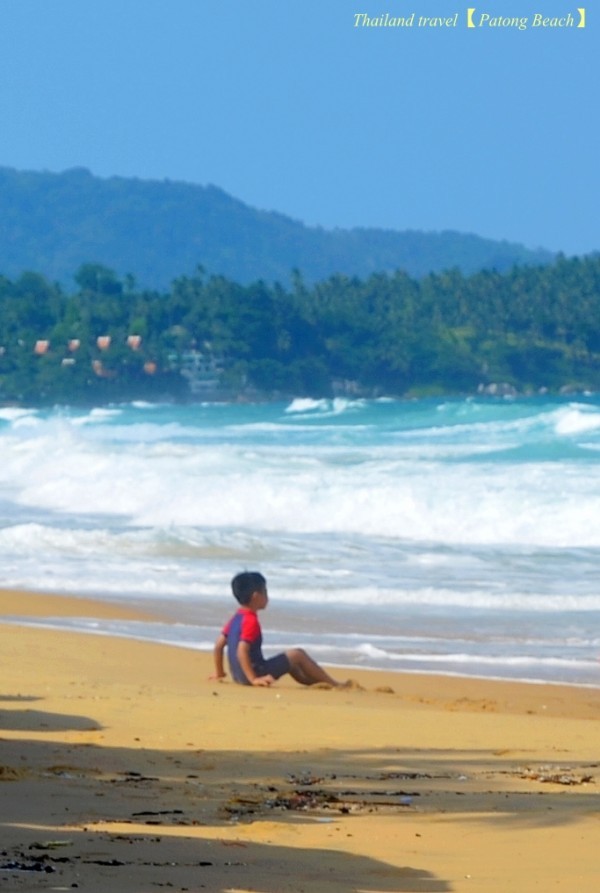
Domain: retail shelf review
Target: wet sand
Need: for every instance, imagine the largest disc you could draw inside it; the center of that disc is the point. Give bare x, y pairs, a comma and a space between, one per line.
124, 768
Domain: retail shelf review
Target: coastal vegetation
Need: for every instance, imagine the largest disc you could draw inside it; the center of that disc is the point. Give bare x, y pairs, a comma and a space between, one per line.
108, 339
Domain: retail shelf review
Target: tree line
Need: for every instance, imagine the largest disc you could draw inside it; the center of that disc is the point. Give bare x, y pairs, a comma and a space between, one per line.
107, 339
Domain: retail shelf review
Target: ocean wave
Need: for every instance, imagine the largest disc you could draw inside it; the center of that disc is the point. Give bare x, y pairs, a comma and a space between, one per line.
156, 476
186, 563
325, 406
14, 413
576, 420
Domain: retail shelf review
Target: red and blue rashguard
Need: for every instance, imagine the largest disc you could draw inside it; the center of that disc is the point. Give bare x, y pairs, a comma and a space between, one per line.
244, 626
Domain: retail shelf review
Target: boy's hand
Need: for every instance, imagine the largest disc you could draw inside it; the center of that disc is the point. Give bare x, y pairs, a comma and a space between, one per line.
263, 680
217, 677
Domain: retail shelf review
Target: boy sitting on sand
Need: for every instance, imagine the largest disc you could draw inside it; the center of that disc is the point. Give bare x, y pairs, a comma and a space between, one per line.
242, 636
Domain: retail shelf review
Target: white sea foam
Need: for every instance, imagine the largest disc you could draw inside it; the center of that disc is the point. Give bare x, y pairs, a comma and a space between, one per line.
14, 413
161, 475
576, 420
307, 404
325, 407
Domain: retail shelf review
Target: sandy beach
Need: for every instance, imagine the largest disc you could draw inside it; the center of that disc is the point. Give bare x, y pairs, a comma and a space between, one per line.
124, 768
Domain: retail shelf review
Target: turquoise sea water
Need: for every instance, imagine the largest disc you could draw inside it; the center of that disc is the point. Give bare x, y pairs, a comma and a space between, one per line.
452, 536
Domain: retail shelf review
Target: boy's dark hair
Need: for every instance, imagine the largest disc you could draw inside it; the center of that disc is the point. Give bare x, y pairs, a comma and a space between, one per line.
244, 584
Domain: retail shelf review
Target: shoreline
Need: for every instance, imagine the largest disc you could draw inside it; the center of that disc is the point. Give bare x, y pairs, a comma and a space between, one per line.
343, 668
38, 605
123, 766
14, 611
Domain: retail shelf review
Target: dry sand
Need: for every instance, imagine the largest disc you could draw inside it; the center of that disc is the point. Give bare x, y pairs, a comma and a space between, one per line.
124, 768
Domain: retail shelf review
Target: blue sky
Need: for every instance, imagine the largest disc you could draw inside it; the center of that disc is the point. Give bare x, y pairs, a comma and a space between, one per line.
288, 106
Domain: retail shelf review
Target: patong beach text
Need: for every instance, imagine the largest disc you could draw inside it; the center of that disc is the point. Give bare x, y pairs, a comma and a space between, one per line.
474, 17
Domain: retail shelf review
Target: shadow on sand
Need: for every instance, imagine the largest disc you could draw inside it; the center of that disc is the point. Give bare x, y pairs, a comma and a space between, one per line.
132, 819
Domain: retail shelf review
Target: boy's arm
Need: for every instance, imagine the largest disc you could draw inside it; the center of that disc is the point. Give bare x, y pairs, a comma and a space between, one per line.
218, 656
243, 656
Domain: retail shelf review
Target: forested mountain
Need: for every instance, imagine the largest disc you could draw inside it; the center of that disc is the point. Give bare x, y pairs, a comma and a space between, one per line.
156, 231
107, 339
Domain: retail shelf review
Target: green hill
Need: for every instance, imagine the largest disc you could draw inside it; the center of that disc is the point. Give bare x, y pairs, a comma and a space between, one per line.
159, 230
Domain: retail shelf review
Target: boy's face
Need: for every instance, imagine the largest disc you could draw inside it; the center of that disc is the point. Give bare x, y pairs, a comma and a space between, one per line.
260, 599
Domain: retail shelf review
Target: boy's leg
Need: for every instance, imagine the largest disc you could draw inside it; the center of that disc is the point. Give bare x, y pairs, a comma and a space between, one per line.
306, 671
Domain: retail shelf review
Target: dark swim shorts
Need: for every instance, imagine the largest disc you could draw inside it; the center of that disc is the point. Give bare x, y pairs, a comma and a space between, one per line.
276, 666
